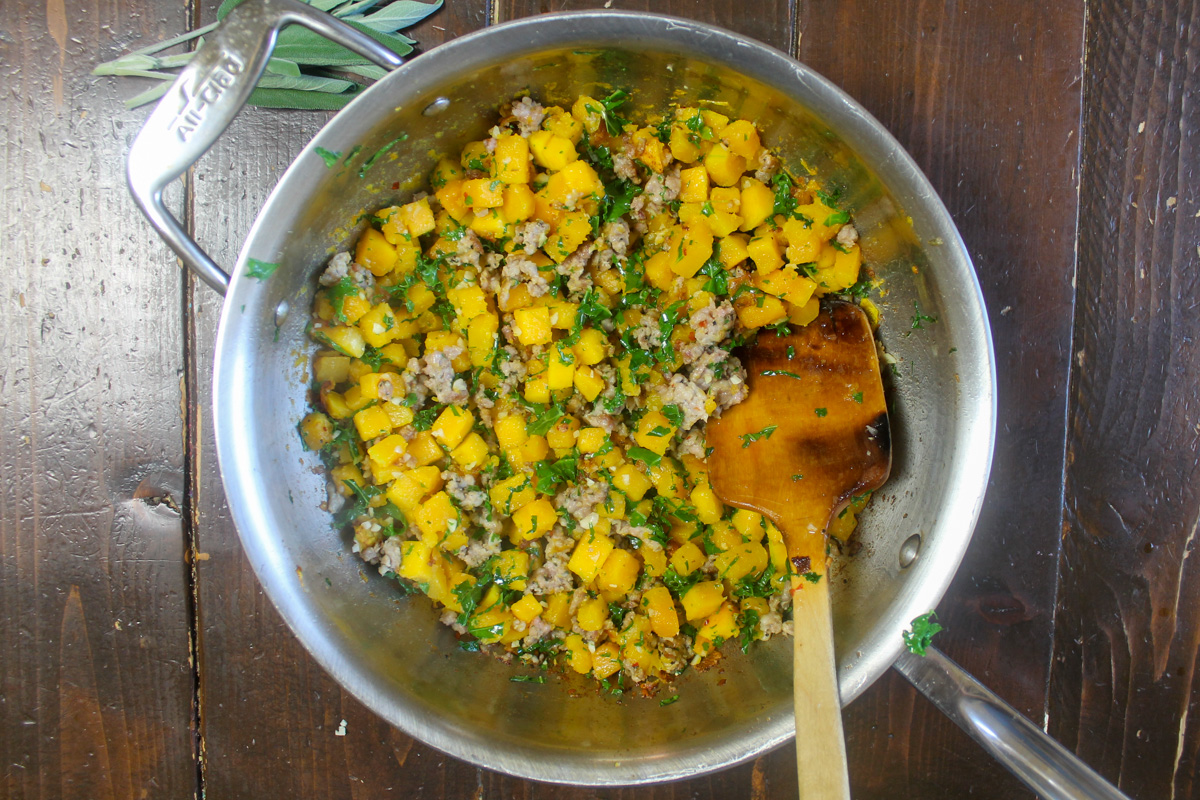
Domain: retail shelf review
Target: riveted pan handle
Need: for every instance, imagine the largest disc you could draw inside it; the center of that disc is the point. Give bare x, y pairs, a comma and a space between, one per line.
206, 97
1044, 765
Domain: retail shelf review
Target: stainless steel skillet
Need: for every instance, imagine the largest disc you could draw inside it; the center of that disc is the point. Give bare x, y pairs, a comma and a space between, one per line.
392, 654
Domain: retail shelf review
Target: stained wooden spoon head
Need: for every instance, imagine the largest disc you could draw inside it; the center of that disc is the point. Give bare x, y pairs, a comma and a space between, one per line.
812, 434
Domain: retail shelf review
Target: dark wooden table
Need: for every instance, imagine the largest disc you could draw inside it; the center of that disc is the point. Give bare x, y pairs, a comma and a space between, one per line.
138, 656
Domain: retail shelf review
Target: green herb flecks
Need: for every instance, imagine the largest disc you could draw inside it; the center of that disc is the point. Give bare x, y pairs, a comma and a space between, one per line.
750, 438
919, 318
528, 679
370, 162
666, 701
820, 412
329, 157
780, 373
647, 457
614, 122
920, 636
260, 269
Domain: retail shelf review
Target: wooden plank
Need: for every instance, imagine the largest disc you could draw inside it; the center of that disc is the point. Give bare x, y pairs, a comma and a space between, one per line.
96, 683
1125, 692
771, 21
986, 97
268, 712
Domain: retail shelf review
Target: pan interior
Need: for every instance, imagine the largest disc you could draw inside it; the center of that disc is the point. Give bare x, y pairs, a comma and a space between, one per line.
391, 651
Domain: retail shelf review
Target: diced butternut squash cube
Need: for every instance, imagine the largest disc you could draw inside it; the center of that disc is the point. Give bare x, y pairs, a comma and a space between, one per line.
618, 573
436, 516
471, 454
558, 610
687, 559
510, 432
719, 626
560, 374
518, 203
345, 339
764, 309
723, 166
758, 203
372, 423
695, 247
632, 481
316, 430
512, 569
741, 137
481, 193
579, 658
740, 561
589, 555
386, 457
845, 269
787, 284
512, 493
702, 600
536, 389
445, 171
708, 506
510, 161
605, 661
534, 449
378, 326
572, 229
732, 250
563, 124
693, 186
654, 432
589, 382
766, 253
591, 347
589, 112
452, 425
527, 608
481, 338
590, 440
562, 435
534, 519
400, 415
592, 614
374, 252
453, 200
802, 315
551, 151
425, 449
660, 609
533, 325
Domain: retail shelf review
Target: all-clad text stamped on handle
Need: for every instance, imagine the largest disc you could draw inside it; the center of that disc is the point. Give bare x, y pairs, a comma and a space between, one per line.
212, 85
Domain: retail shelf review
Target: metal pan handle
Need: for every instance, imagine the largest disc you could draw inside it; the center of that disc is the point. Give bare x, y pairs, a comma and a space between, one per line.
206, 97
1044, 765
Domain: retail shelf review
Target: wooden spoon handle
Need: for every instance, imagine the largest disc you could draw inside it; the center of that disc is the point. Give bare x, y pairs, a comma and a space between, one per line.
820, 743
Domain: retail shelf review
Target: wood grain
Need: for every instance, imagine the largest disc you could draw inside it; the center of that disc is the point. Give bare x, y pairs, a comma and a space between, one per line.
96, 684
1125, 691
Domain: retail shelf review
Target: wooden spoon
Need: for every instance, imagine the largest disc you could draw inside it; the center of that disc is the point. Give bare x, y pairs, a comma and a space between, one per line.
812, 434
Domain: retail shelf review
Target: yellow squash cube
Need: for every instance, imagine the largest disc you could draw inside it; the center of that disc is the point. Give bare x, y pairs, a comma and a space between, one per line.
551, 151
452, 425
632, 481
472, 453
758, 203
589, 555
702, 600
654, 432
372, 423
618, 573
510, 161
374, 252
693, 185
435, 517
533, 325
592, 614
512, 494
534, 519
527, 608
589, 382
660, 609
687, 559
